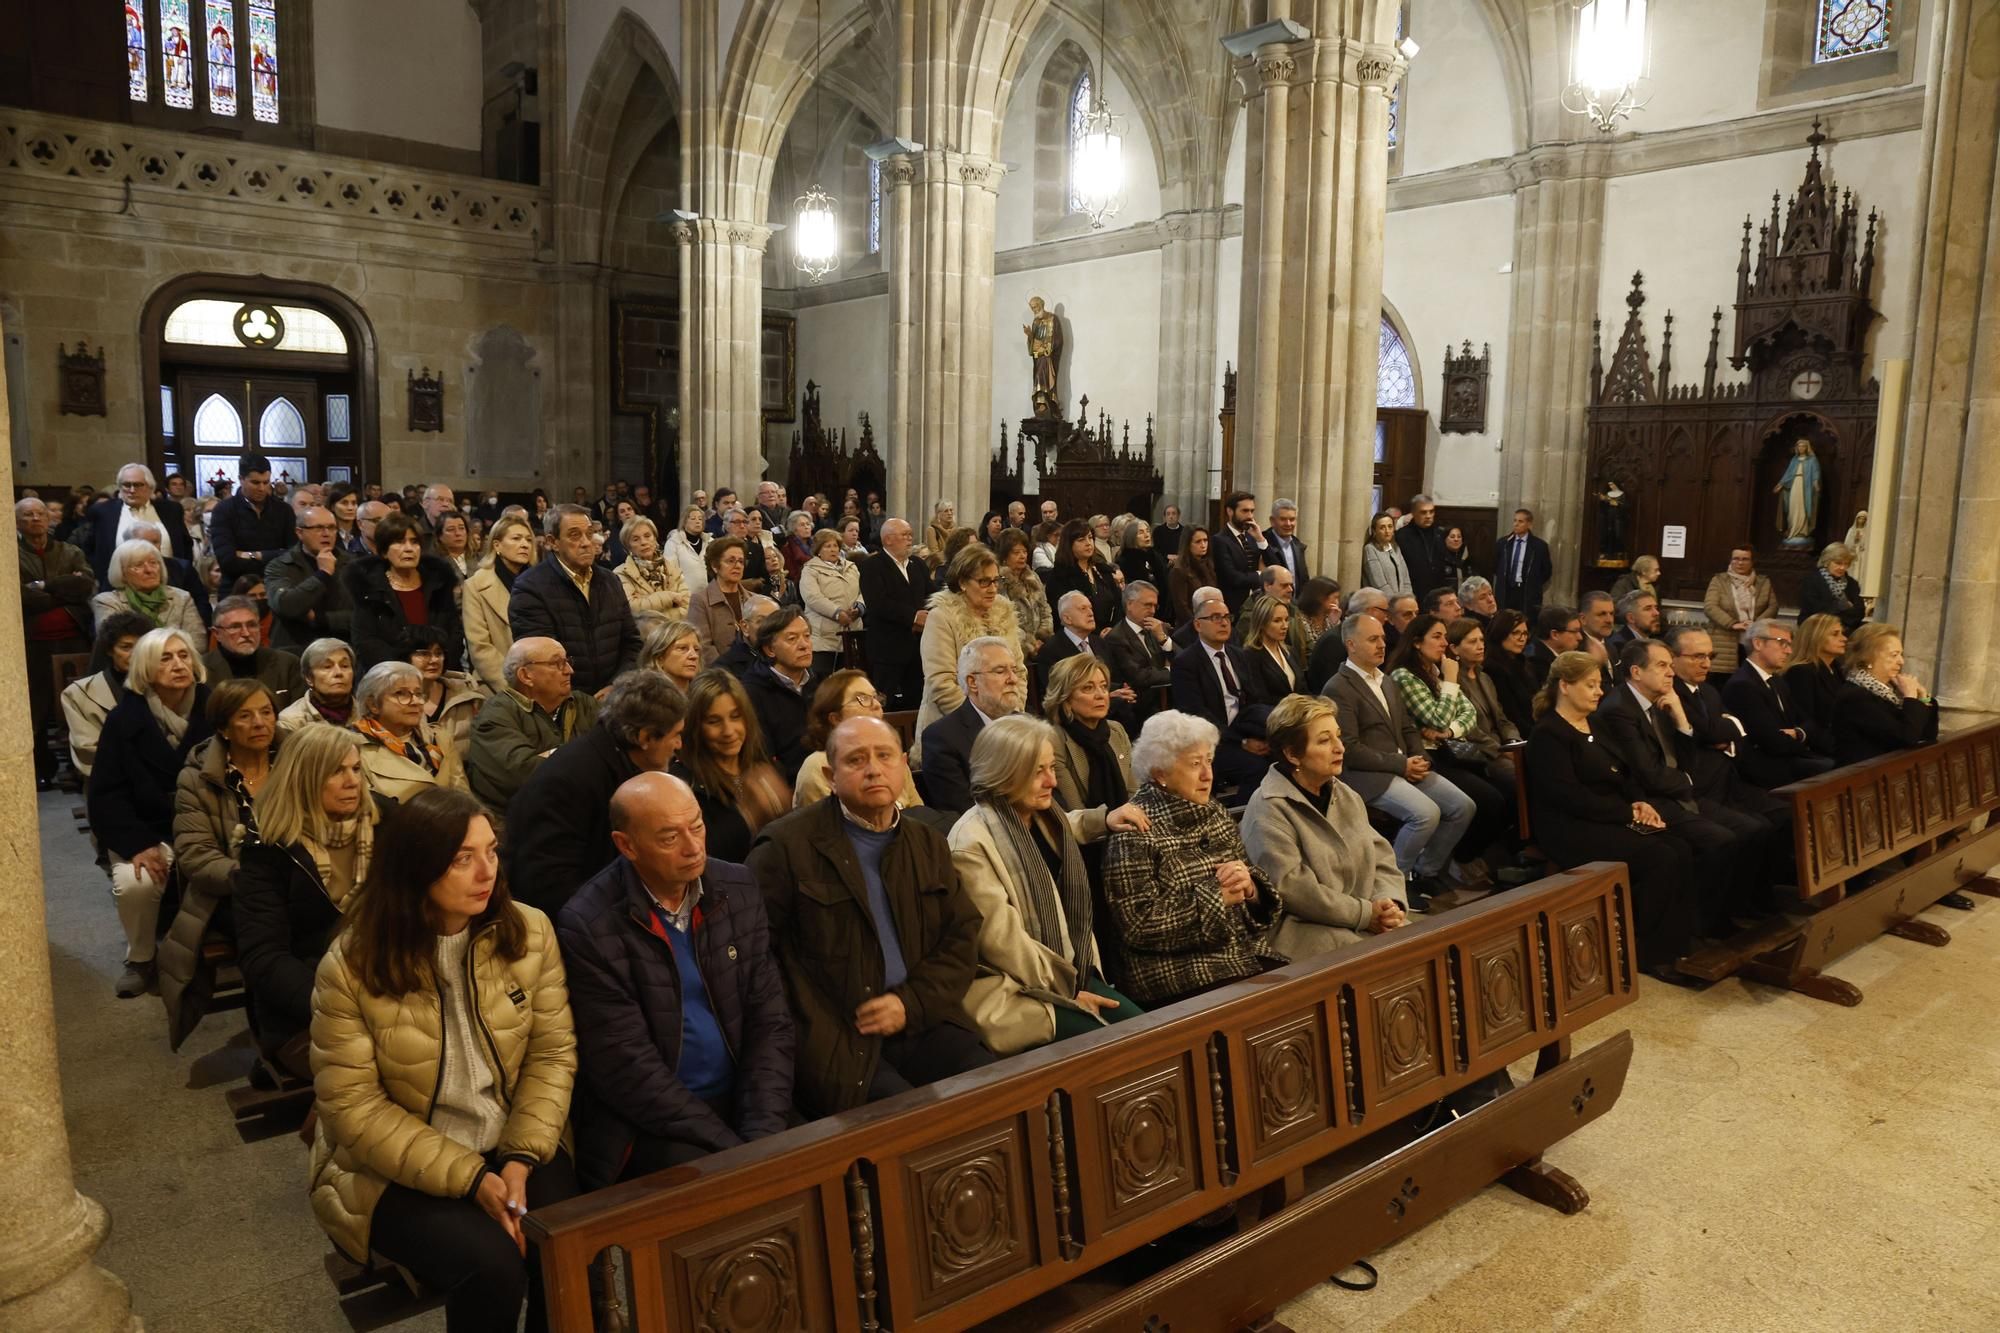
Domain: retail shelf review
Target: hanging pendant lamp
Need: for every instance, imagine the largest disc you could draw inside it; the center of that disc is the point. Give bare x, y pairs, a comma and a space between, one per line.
1099, 169
816, 214
1608, 61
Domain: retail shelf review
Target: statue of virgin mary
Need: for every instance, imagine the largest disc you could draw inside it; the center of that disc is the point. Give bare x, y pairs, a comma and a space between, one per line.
1798, 489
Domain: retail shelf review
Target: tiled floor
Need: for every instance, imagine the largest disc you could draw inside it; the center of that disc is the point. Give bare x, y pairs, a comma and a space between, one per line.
1776, 1162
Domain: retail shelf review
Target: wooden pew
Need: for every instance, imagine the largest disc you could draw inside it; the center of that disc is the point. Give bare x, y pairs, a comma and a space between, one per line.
1917, 805
1295, 1100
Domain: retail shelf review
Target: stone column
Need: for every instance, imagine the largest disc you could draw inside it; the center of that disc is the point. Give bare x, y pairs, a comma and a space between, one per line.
1185, 428
1315, 200
721, 378
48, 1231
941, 425
1945, 576
1558, 252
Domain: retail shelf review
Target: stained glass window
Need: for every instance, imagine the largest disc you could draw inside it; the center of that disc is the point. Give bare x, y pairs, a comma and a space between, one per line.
166, 410
135, 52
222, 57
339, 416
264, 60
1079, 116
176, 55
1395, 379
281, 426
217, 425
874, 206
1852, 28
1396, 93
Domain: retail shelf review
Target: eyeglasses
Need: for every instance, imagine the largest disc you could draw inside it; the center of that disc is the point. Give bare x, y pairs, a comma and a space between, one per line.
316, 527
404, 697
992, 581
135, 485
864, 700
559, 663
1214, 615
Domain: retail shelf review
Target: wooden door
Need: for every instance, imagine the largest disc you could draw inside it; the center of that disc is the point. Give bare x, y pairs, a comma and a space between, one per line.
219, 417
1400, 436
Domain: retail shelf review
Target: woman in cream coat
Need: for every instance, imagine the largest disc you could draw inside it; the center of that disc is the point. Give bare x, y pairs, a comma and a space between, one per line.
830, 588
1309, 832
1040, 973
485, 598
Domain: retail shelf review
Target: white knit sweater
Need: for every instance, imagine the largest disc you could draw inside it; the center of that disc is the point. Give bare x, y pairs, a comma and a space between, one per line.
469, 1110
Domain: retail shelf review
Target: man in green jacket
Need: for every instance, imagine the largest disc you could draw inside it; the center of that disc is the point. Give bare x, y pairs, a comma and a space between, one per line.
523, 724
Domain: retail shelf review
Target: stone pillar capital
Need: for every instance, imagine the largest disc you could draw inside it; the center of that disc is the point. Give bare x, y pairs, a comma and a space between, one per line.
1582, 160
932, 165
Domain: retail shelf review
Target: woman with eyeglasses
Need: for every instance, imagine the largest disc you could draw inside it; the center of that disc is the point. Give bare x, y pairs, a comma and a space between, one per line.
451, 698
969, 608
399, 751
843, 695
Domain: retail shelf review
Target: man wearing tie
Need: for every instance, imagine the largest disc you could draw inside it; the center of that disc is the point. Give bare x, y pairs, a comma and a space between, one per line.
894, 593
1238, 550
1281, 541
1211, 679
1522, 568
1777, 746
1137, 649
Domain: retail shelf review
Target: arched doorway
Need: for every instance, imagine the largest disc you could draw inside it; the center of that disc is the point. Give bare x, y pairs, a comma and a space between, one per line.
1402, 426
234, 363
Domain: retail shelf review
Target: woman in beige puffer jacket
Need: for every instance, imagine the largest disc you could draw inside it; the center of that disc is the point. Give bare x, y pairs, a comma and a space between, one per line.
442, 1073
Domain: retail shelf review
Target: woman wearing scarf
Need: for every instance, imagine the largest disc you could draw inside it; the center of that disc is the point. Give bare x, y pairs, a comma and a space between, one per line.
1832, 590
213, 818
1093, 753
315, 832
399, 751
88, 700
652, 582
487, 635
1738, 598
328, 665
145, 743
1882, 709
139, 584
1040, 974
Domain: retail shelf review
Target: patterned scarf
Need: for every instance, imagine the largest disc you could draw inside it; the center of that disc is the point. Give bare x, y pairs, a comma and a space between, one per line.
416, 749
1838, 587
358, 833
1743, 590
148, 604
1040, 892
1874, 687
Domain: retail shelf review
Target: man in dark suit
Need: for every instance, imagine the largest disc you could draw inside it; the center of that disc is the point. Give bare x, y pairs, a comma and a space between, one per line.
1522, 567
894, 590
1716, 735
1644, 724
111, 520
1212, 679
1138, 649
1639, 612
1238, 550
1076, 632
1168, 532
1385, 762
987, 672
1777, 746
1558, 630
1421, 541
1331, 650
1281, 542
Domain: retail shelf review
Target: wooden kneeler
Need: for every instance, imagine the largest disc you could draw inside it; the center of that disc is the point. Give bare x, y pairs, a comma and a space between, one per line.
1909, 815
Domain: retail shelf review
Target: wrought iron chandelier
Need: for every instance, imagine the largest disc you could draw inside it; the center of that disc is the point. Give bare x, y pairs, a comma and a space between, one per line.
816, 214
1609, 57
1098, 173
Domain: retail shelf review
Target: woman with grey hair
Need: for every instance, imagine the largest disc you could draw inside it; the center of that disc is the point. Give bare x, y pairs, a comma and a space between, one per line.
400, 753
1185, 908
138, 577
1644, 576
328, 666
1831, 590
672, 648
1041, 976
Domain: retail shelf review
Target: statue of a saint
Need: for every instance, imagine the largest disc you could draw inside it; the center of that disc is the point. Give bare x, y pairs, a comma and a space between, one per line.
1611, 550
1857, 542
1798, 489
1045, 349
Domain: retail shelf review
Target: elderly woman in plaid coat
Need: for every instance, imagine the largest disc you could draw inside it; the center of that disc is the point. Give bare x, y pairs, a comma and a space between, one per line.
1186, 911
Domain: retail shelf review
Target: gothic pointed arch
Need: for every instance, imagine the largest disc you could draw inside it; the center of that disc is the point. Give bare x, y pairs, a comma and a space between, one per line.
630, 52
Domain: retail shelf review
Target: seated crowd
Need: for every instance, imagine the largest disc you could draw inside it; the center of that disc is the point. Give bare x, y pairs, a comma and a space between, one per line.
684, 841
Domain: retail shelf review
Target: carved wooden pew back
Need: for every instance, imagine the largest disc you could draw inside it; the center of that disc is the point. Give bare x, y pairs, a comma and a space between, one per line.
977, 1196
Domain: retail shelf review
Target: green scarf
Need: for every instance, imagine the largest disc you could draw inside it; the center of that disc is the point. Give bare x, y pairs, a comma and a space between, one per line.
147, 604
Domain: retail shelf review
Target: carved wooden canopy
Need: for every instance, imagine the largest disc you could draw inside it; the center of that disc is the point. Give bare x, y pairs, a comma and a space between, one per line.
1708, 457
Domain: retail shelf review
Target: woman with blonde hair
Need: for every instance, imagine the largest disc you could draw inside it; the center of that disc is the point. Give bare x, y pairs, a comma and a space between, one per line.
726, 759
138, 578
140, 753
399, 751
443, 1056
1585, 806
1335, 876
513, 548
315, 822
1882, 708
1815, 677
830, 588
1263, 632
971, 607
1041, 977
652, 581
1093, 751
672, 648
